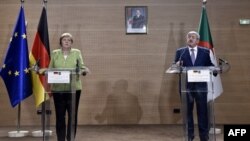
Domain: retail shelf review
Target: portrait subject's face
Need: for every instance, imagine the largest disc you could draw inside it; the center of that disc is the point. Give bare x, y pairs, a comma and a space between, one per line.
138, 13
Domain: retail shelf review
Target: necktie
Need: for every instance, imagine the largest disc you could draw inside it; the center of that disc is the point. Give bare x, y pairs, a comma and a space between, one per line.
192, 55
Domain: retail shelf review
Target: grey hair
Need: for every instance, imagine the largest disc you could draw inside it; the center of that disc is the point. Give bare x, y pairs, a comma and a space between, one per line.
194, 32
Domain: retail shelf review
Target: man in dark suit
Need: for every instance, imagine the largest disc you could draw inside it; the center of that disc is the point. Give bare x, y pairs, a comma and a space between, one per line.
138, 20
190, 56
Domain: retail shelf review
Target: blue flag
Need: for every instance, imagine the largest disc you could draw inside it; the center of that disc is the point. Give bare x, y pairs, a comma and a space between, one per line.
15, 70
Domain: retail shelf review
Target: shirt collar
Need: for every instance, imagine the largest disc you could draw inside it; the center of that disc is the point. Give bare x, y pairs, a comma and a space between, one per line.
195, 48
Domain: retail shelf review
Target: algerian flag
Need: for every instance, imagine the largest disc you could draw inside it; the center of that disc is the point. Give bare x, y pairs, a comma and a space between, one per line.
206, 41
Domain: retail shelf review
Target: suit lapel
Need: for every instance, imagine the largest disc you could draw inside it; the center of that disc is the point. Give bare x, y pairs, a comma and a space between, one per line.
188, 57
198, 57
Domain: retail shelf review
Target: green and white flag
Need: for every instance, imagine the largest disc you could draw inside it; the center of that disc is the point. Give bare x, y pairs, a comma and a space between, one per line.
206, 41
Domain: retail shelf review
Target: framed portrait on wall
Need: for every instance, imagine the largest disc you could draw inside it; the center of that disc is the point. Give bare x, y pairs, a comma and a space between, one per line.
136, 19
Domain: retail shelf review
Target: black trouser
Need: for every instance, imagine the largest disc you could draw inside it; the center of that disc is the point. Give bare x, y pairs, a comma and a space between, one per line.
63, 102
200, 98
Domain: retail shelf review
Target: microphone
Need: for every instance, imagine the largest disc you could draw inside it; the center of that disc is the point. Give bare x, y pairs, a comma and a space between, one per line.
77, 66
179, 63
224, 65
77, 69
223, 61
36, 67
179, 60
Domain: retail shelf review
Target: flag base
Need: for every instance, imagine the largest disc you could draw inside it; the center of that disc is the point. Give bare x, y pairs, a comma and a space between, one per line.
17, 134
216, 130
39, 133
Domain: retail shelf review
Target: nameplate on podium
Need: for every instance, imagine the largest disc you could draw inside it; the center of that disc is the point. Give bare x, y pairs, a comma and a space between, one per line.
198, 75
58, 77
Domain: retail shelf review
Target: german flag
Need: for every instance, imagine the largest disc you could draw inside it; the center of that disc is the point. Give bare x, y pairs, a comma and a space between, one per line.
40, 55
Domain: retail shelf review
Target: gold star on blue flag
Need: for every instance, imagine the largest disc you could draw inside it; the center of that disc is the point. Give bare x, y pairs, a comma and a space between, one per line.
15, 68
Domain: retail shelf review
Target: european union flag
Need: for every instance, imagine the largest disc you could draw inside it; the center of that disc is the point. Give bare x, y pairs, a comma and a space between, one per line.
15, 70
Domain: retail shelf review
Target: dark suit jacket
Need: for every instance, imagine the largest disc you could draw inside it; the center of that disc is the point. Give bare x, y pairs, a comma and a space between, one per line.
202, 60
138, 22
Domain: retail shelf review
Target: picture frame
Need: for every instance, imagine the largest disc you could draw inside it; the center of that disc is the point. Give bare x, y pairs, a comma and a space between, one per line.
136, 19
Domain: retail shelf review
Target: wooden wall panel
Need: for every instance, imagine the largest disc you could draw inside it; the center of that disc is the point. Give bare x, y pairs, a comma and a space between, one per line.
98, 28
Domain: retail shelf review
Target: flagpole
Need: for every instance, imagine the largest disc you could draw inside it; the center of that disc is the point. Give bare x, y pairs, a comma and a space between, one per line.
19, 105
44, 106
43, 132
18, 132
213, 130
204, 2
45, 3
22, 2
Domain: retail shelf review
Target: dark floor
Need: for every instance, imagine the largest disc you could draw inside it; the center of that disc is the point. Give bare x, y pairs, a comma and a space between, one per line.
112, 133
